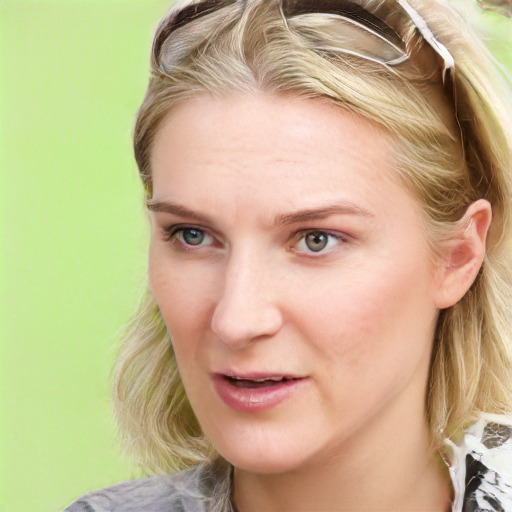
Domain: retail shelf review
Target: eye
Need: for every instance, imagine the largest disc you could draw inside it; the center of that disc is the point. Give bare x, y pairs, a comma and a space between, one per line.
189, 236
318, 241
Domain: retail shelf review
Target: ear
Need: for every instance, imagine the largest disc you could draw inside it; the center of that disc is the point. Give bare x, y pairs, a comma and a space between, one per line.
463, 255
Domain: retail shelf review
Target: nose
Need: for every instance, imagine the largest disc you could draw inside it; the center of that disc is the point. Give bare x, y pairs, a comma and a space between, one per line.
247, 308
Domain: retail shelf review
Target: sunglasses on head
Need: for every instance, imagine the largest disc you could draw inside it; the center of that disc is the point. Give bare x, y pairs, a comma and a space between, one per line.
384, 27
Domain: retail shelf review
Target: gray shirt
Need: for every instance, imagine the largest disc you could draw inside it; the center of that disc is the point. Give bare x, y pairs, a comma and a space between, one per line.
204, 488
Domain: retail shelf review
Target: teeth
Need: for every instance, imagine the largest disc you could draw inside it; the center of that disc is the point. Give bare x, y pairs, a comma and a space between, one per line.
265, 379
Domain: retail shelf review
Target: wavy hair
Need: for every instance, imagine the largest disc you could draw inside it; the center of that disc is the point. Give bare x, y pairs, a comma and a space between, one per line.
453, 145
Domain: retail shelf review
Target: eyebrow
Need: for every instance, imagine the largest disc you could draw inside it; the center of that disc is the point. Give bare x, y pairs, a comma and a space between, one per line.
342, 208
293, 217
176, 209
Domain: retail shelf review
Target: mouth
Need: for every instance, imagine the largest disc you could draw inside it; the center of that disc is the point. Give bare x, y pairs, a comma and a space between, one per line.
254, 392
256, 383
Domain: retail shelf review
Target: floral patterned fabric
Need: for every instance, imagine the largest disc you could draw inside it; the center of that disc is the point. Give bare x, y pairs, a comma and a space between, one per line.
481, 467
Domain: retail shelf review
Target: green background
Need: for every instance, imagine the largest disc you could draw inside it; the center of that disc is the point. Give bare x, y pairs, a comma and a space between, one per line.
73, 234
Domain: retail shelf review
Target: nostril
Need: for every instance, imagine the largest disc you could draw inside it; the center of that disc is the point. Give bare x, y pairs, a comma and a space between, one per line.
237, 326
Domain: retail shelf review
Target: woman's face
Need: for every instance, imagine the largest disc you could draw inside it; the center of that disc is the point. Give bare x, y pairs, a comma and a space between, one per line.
292, 272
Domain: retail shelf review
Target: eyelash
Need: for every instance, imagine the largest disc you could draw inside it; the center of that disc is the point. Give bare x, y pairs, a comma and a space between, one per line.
174, 233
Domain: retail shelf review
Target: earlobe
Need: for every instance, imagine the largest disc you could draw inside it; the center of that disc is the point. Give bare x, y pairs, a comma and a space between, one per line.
464, 255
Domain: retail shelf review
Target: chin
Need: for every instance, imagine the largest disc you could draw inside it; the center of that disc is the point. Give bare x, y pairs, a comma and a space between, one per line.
264, 465
264, 458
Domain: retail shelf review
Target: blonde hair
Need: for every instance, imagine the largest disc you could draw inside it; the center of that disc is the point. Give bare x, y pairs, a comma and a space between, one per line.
446, 160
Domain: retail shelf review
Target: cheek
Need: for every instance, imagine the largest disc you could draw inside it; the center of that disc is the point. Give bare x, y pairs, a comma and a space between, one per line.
372, 335
184, 293
371, 313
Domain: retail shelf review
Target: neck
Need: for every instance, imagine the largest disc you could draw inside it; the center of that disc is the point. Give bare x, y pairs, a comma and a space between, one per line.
392, 468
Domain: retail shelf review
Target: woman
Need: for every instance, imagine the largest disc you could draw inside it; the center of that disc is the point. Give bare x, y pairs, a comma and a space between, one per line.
329, 189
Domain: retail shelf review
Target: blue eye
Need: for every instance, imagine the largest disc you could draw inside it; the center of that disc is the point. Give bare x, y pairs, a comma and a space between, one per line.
192, 236
189, 237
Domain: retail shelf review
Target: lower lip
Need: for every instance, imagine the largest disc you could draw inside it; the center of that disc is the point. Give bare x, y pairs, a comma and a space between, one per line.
254, 399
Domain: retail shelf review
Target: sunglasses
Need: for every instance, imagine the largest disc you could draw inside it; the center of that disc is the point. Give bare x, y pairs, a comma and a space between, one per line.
386, 41
503, 7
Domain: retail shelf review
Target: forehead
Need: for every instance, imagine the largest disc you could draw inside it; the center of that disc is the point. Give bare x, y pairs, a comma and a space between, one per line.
262, 149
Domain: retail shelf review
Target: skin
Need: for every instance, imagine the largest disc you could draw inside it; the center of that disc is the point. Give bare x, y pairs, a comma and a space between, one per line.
354, 320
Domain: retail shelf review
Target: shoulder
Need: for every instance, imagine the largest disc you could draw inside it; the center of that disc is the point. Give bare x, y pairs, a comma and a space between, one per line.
187, 491
481, 466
